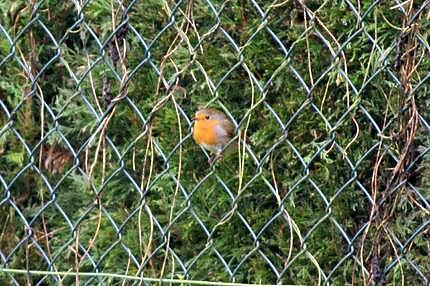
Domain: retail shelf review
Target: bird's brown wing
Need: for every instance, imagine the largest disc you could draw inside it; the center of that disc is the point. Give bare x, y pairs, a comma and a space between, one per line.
229, 128
230, 131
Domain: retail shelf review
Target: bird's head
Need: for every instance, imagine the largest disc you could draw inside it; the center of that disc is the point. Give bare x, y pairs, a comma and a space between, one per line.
209, 114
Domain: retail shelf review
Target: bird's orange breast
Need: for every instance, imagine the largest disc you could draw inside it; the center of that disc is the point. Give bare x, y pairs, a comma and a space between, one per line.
204, 132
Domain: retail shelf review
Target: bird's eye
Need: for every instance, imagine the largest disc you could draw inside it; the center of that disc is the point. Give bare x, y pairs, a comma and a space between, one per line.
207, 117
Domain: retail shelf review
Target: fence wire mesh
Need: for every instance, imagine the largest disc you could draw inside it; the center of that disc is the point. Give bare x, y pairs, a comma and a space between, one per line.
99, 172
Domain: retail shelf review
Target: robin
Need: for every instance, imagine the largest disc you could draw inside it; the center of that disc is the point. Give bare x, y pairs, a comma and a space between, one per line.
213, 130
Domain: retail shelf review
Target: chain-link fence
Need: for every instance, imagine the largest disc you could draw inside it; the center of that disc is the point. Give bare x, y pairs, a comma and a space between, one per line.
101, 180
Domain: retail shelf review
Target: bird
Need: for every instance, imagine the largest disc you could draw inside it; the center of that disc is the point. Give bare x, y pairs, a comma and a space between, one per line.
213, 130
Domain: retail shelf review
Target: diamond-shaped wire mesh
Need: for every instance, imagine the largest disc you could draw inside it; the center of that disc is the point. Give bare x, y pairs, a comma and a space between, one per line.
100, 175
